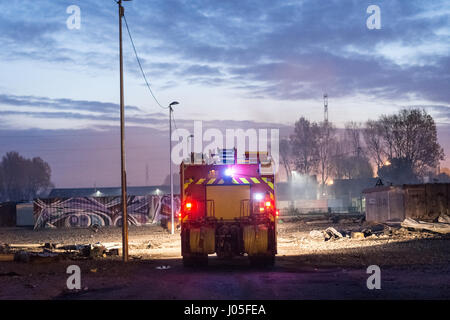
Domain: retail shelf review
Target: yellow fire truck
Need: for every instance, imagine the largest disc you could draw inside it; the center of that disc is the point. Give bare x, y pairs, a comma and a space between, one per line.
228, 208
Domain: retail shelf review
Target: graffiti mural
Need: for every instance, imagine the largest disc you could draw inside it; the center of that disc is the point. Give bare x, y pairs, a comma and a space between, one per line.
83, 212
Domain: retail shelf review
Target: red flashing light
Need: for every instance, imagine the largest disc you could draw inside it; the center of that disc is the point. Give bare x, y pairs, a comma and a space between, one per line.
277, 213
188, 205
268, 203
261, 209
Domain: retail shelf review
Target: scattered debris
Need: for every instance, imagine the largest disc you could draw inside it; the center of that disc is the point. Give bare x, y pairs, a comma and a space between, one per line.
49, 245
443, 218
316, 234
328, 234
33, 257
4, 257
443, 228
163, 267
317, 222
357, 235
331, 233
48, 225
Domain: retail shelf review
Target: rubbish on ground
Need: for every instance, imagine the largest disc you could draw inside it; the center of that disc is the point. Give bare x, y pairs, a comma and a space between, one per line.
357, 235
443, 228
332, 233
316, 234
443, 218
328, 234
162, 267
317, 222
33, 257
6, 257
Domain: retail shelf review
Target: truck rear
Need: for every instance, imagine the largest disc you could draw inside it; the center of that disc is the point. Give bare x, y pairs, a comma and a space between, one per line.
228, 208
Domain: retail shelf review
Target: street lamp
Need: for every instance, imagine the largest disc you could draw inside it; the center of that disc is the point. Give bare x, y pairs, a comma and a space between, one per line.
170, 166
189, 147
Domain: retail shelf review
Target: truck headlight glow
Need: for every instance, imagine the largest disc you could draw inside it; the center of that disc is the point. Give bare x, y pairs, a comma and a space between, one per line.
258, 196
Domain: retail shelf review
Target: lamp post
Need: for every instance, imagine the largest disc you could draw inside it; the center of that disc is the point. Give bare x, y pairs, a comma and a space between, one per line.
172, 231
189, 147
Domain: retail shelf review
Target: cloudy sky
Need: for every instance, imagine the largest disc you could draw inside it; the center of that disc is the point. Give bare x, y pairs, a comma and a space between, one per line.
232, 64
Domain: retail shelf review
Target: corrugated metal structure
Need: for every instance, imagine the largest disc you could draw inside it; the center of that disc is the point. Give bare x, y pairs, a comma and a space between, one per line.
425, 202
8, 214
24, 217
384, 204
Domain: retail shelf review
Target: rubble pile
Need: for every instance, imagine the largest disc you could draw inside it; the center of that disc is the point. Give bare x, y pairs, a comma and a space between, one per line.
50, 252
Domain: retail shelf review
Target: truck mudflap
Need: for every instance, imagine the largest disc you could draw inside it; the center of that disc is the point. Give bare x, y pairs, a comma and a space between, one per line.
202, 240
256, 240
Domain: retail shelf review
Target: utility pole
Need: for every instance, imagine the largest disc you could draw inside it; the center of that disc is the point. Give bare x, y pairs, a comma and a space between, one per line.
122, 146
172, 220
325, 108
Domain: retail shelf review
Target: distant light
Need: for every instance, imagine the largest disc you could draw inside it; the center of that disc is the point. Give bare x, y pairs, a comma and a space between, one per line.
157, 191
229, 172
98, 193
330, 182
258, 196
387, 163
268, 204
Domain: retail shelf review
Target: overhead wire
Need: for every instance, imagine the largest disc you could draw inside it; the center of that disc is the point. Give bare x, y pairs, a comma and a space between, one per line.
140, 65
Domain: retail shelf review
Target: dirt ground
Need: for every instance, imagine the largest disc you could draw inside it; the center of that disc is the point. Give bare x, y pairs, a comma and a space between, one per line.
413, 266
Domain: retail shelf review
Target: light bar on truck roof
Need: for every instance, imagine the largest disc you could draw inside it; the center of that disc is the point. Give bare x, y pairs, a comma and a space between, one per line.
229, 172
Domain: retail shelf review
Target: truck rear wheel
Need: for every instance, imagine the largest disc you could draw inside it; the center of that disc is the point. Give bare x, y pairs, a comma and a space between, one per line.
262, 261
195, 261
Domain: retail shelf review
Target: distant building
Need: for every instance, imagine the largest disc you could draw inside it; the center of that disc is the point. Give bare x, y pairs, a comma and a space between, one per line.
110, 191
350, 192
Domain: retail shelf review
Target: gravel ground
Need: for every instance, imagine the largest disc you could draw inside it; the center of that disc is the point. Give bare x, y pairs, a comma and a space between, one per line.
414, 266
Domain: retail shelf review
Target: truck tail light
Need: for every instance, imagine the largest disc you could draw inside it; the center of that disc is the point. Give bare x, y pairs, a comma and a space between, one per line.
277, 213
261, 209
268, 204
188, 205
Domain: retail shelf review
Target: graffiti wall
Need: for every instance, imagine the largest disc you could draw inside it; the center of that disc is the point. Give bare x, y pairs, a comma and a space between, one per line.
83, 212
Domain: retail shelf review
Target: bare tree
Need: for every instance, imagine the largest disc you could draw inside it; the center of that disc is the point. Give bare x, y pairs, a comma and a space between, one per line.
325, 146
304, 146
374, 143
286, 157
352, 134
